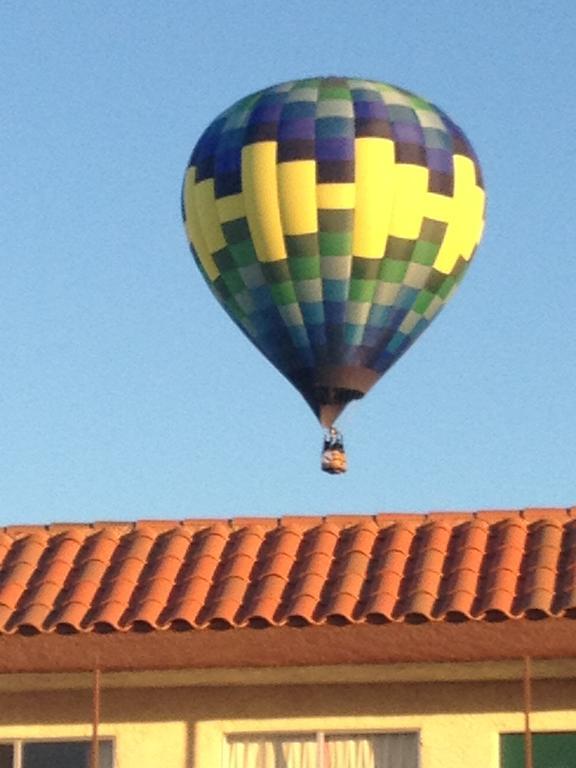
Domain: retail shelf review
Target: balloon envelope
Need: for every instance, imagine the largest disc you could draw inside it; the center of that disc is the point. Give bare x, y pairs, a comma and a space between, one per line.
332, 218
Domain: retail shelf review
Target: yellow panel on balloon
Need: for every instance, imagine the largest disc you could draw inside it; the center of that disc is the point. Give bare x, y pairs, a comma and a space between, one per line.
374, 158
208, 215
336, 196
231, 207
297, 193
260, 186
465, 225
194, 228
438, 207
410, 183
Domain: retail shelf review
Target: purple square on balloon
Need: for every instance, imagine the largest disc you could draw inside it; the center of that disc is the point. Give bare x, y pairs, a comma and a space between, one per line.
266, 113
371, 109
303, 128
335, 149
439, 160
408, 133
228, 161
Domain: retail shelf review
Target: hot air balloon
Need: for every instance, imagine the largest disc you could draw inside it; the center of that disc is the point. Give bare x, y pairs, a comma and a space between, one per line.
333, 218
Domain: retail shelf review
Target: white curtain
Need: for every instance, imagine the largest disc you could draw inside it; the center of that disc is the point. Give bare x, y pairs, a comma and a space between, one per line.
299, 754
349, 752
275, 752
387, 750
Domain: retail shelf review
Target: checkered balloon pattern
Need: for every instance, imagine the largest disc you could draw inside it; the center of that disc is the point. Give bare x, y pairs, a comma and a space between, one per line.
333, 218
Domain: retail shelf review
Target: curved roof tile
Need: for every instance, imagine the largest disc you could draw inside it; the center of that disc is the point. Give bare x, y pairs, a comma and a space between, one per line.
482, 566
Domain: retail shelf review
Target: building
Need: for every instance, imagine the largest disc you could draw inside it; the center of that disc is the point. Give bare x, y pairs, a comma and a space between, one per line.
393, 641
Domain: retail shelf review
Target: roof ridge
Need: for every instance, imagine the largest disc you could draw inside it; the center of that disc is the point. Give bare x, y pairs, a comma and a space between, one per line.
340, 520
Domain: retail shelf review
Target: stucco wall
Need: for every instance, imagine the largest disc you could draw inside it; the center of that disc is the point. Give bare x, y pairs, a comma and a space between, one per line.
184, 727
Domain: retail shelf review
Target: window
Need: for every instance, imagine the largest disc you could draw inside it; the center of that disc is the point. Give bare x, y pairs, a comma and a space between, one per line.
322, 750
549, 750
53, 754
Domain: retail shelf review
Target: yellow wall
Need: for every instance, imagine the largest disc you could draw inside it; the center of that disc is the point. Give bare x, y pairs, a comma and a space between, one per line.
184, 727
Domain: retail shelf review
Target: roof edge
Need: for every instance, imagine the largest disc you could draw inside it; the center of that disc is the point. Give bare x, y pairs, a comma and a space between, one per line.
553, 638
339, 520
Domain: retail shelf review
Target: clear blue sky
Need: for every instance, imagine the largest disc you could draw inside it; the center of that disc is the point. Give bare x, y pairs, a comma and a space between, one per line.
127, 393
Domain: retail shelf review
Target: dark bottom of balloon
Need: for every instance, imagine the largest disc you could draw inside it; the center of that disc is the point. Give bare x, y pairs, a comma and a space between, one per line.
327, 413
328, 389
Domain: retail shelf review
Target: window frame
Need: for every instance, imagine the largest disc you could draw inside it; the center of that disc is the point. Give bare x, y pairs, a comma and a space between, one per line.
320, 735
18, 743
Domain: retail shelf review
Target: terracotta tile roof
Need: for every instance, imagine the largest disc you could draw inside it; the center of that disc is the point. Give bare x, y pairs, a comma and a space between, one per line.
483, 566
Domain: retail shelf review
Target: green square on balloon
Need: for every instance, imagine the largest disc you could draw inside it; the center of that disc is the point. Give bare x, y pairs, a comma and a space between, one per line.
422, 302
233, 281
304, 267
420, 103
334, 92
283, 293
392, 271
244, 253
335, 243
425, 253
361, 290
446, 287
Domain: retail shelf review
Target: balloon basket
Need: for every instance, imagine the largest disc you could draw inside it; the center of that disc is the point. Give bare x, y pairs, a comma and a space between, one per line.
334, 460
